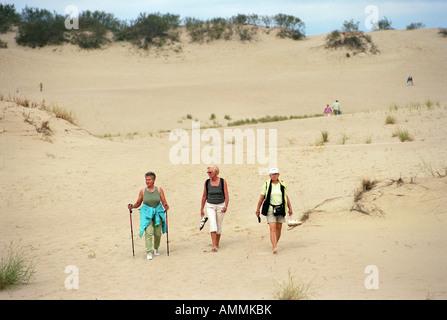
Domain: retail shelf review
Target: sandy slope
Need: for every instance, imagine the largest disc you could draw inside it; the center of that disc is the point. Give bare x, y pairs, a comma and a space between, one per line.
64, 195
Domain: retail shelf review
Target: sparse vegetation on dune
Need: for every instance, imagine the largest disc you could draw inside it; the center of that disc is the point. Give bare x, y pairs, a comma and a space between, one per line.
54, 109
403, 135
366, 185
292, 289
94, 29
390, 119
435, 171
323, 138
357, 42
269, 119
352, 39
14, 270
428, 104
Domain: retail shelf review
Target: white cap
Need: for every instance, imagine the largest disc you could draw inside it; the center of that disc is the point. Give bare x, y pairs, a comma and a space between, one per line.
273, 170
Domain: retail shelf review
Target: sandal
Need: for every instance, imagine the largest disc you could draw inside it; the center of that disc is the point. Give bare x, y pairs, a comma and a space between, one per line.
202, 222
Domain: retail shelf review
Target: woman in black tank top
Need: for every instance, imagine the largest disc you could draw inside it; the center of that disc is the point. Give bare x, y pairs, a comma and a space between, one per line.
215, 199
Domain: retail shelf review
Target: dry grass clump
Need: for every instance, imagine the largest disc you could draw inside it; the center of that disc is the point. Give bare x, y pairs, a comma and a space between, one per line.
434, 171
365, 186
390, 119
292, 290
44, 128
55, 109
403, 135
368, 207
63, 114
323, 138
14, 270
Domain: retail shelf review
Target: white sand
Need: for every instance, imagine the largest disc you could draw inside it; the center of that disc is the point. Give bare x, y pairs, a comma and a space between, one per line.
64, 197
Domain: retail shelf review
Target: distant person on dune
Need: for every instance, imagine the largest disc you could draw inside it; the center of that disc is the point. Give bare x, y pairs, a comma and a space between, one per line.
336, 107
328, 110
410, 81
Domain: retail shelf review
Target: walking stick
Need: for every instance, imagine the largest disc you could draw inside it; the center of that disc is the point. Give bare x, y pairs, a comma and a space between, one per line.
167, 234
131, 231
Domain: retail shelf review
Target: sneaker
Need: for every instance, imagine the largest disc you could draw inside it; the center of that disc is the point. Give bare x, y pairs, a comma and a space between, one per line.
149, 256
294, 223
156, 252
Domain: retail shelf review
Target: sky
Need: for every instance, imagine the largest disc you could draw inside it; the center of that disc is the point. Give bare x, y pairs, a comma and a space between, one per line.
319, 16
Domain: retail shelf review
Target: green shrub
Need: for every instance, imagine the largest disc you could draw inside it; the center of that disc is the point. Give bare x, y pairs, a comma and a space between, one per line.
90, 39
333, 36
210, 30
384, 24
153, 29
244, 26
357, 41
39, 27
93, 30
8, 17
240, 19
246, 33
291, 27
350, 26
417, 25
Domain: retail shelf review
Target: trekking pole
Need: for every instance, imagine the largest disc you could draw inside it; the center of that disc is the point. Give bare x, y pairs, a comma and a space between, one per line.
167, 234
131, 230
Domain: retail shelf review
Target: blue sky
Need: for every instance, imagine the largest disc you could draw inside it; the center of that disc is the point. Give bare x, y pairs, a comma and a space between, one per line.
319, 16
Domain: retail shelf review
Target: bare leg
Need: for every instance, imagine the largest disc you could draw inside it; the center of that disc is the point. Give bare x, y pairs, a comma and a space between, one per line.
214, 240
273, 237
278, 231
217, 240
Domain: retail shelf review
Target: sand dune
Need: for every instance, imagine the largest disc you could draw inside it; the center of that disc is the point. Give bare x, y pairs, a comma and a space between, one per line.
64, 194
268, 76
